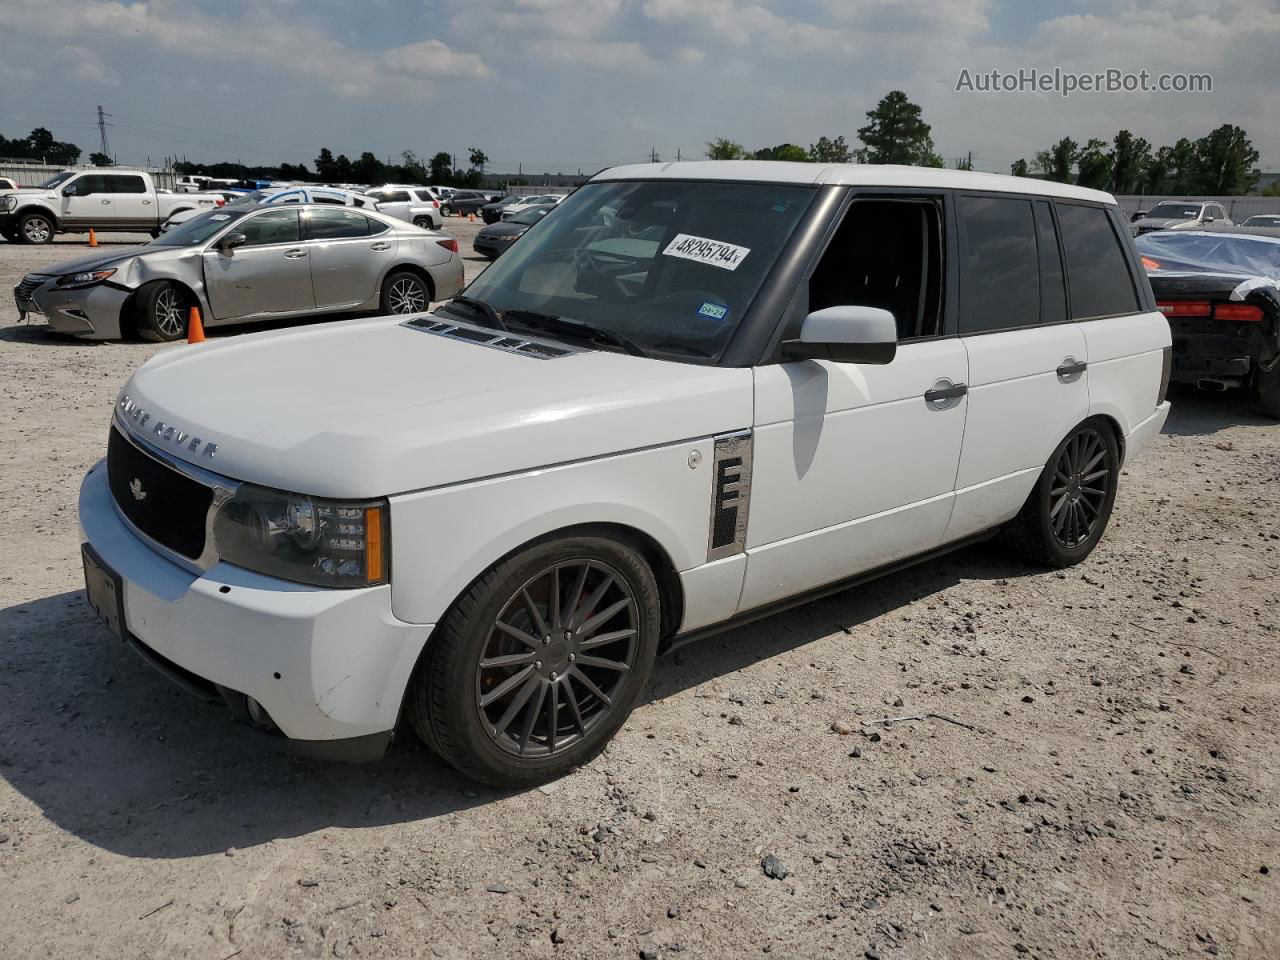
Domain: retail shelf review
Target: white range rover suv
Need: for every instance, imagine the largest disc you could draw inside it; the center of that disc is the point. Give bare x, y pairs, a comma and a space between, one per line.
692, 394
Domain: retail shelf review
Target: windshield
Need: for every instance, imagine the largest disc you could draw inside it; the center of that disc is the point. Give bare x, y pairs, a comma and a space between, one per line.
1263, 222
530, 216
199, 228
1175, 211
57, 178
671, 265
1173, 251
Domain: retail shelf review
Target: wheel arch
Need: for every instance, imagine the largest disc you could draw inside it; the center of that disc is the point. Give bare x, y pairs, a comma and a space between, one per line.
45, 212
129, 309
417, 270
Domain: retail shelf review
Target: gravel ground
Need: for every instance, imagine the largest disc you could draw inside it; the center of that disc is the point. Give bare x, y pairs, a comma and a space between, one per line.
1083, 763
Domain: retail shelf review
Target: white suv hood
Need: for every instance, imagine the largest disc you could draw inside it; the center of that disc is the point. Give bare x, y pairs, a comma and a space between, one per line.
371, 408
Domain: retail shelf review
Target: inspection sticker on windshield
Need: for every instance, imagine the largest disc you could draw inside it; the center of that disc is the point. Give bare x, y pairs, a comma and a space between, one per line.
221, 216
716, 253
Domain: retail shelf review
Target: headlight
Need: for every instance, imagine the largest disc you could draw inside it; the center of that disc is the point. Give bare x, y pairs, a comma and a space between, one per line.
73, 280
328, 543
8, 203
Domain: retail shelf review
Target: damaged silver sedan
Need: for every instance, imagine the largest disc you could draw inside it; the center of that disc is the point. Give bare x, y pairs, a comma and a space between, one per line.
242, 265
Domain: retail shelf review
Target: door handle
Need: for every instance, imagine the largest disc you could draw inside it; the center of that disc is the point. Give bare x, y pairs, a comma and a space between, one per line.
294, 254
146, 203
1071, 369
944, 394
383, 245
104, 201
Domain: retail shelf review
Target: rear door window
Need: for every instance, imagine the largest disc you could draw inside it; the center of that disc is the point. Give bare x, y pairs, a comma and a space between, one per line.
1097, 266
1000, 264
117, 183
1053, 291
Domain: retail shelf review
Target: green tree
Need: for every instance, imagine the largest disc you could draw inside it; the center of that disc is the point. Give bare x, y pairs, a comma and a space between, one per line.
1019, 168
897, 134
1130, 160
326, 167
1056, 162
441, 168
963, 163
1183, 176
100, 160
783, 151
342, 169
830, 151
1272, 190
1224, 162
478, 158
723, 149
1044, 162
368, 169
1095, 165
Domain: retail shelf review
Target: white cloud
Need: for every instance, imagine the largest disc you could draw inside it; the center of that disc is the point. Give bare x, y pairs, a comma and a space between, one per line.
86, 66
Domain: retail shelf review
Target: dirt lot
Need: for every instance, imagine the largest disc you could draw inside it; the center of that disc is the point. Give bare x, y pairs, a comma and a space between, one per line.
1089, 767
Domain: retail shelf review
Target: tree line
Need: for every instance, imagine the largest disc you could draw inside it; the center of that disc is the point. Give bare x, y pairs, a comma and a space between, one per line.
366, 169
40, 146
1221, 163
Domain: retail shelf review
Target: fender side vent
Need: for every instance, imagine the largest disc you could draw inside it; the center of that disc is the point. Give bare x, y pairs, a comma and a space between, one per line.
730, 496
487, 337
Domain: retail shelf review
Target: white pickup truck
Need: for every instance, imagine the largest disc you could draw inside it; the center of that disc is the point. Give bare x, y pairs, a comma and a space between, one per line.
73, 201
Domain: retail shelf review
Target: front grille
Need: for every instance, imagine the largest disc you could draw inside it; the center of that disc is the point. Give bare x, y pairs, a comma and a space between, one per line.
29, 284
162, 503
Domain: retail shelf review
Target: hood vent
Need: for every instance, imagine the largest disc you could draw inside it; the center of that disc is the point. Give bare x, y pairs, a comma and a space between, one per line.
485, 337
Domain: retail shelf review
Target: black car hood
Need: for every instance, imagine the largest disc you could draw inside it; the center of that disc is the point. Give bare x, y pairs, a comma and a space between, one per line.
504, 229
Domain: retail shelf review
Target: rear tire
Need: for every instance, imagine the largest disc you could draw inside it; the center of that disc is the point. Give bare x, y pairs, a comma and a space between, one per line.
552, 703
162, 310
1067, 512
404, 292
423, 222
1266, 387
36, 228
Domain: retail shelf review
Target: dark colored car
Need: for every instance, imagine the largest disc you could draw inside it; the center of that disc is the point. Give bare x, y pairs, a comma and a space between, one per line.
492, 212
494, 239
464, 202
1220, 289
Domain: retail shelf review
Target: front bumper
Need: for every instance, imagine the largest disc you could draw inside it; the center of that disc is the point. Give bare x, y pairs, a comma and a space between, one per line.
330, 667
91, 313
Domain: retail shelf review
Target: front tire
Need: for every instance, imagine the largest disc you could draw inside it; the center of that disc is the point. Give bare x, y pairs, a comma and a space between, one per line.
36, 228
405, 292
535, 668
162, 310
1067, 512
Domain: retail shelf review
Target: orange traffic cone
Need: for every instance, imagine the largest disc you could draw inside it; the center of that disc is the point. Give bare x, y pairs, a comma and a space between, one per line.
471, 218
93, 238
195, 328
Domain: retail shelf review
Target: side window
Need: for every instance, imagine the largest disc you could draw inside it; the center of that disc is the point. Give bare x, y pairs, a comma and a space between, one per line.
886, 253
121, 184
1000, 266
1053, 291
377, 226
1096, 264
396, 196
272, 226
323, 199
336, 224
88, 185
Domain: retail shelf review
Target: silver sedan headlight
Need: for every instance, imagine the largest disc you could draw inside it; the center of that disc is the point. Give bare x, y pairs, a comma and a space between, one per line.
327, 543
74, 281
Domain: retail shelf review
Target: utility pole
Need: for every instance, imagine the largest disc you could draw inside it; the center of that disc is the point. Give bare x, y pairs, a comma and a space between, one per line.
677, 154
102, 131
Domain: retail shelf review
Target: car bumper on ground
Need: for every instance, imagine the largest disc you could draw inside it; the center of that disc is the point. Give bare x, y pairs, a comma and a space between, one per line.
328, 668
92, 313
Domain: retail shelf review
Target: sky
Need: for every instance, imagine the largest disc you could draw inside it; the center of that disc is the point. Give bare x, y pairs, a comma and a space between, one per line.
563, 85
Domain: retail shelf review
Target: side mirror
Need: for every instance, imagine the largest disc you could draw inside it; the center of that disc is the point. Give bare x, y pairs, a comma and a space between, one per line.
1207, 218
231, 241
74, 191
1138, 215
846, 334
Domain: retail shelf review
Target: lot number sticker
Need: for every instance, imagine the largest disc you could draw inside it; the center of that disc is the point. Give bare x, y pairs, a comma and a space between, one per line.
715, 253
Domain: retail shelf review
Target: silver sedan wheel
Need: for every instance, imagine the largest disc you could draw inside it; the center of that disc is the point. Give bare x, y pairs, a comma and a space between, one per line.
36, 230
168, 313
407, 296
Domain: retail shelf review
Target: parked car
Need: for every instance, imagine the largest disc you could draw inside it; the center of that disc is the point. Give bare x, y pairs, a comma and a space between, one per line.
1263, 220
7, 184
525, 203
331, 195
1220, 289
1180, 215
493, 240
465, 202
413, 204
244, 263
122, 201
695, 393
492, 212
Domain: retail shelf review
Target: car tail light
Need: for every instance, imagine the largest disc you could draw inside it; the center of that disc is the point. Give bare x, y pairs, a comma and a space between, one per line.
1238, 312
436, 204
1190, 308
1149, 264
220, 202
451, 244
1166, 371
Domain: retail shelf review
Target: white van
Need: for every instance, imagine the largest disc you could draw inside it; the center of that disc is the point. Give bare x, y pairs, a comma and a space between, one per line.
694, 394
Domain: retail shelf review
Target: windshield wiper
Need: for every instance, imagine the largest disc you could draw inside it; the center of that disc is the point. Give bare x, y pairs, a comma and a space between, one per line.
491, 316
576, 328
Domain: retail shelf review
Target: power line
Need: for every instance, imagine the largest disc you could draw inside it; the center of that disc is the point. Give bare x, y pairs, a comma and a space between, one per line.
102, 131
